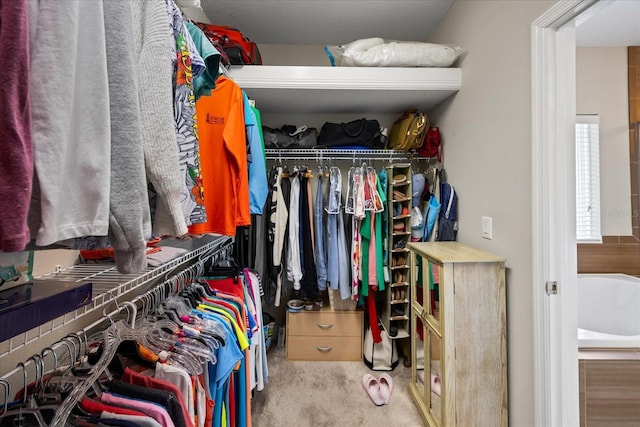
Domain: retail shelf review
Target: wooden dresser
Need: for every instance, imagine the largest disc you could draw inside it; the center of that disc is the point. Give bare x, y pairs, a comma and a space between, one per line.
324, 335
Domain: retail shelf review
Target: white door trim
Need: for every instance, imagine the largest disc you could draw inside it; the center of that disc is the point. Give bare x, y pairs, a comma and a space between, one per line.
553, 216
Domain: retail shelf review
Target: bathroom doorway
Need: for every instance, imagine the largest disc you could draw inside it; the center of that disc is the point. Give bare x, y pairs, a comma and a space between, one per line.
553, 193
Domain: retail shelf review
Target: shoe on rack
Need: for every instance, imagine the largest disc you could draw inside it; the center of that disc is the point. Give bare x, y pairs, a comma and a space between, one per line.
399, 195
397, 310
399, 178
400, 244
399, 261
399, 277
393, 329
399, 226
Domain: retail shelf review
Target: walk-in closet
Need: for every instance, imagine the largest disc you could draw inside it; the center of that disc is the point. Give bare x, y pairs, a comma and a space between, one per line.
204, 236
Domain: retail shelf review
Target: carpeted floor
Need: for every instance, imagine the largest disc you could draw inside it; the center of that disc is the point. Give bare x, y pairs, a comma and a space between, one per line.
328, 394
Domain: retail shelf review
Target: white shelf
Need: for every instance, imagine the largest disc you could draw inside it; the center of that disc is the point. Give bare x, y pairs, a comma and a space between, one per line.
355, 90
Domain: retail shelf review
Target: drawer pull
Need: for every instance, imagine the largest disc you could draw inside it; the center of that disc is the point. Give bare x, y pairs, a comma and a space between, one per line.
325, 349
325, 326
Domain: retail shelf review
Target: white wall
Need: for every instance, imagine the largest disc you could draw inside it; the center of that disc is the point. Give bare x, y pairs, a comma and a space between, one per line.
486, 131
602, 88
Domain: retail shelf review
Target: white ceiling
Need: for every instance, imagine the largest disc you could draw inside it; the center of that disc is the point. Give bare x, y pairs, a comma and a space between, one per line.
328, 22
610, 24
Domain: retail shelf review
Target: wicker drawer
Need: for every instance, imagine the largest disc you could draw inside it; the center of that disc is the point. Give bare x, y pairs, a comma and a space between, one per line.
324, 348
325, 323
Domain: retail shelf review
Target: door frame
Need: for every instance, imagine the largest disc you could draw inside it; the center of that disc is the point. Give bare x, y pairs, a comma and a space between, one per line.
555, 317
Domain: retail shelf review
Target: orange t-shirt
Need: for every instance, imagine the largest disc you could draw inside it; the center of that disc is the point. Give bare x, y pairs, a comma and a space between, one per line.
223, 160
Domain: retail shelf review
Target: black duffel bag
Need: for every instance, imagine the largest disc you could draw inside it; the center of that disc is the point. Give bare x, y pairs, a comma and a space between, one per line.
290, 137
360, 133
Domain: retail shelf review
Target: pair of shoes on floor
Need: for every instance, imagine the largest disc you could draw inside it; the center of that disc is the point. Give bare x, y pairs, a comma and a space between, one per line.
378, 389
435, 382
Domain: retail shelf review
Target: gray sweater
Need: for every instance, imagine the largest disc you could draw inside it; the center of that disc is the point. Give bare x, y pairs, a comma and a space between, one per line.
129, 219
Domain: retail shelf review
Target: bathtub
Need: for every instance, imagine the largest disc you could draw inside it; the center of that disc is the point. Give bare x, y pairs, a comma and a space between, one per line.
608, 311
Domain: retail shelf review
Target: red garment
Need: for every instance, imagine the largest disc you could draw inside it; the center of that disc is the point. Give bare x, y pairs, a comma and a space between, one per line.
96, 408
132, 377
229, 285
373, 316
208, 419
16, 162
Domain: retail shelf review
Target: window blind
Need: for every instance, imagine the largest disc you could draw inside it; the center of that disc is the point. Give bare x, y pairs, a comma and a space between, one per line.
588, 179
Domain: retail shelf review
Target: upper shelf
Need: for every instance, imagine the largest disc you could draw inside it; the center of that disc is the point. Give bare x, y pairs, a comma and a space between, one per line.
356, 90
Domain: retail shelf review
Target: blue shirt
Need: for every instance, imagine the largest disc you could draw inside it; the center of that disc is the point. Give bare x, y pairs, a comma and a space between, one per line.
258, 185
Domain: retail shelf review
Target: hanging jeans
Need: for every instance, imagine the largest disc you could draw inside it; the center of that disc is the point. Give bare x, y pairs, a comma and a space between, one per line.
344, 266
321, 260
333, 271
309, 277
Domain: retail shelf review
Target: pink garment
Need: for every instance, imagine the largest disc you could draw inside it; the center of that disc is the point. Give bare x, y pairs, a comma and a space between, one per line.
153, 410
355, 256
16, 161
435, 272
373, 271
132, 377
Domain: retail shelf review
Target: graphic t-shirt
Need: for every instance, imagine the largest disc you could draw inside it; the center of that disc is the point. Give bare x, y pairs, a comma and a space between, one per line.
224, 159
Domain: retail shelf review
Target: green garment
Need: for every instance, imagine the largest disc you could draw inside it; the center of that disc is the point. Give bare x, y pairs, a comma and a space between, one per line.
206, 82
381, 237
256, 112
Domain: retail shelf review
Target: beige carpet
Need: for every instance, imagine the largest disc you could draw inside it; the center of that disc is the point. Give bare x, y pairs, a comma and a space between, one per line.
328, 394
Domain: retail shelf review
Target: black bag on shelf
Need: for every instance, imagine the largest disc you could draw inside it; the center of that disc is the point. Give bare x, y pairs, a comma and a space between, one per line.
358, 133
290, 137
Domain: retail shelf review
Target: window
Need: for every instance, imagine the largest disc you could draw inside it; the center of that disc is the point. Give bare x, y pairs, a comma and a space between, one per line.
588, 179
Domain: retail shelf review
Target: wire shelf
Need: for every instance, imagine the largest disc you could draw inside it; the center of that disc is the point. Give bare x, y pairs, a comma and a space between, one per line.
107, 285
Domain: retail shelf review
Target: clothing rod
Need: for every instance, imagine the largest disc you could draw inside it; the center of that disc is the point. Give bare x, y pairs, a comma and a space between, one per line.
339, 154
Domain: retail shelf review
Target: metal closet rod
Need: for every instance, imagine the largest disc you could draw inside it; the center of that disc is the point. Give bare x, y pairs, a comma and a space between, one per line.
333, 154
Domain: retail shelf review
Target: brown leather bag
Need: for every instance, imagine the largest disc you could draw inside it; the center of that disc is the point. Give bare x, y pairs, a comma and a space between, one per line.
408, 132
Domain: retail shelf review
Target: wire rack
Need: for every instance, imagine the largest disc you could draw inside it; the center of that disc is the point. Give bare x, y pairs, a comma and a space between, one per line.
107, 285
320, 155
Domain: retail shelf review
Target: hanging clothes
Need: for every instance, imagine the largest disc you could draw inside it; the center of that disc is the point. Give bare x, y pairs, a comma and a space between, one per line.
224, 159
320, 252
16, 145
381, 231
187, 125
258, 185
280, 216
71, 125
309, 278
294, 266
205, 82
333, 209
129, 223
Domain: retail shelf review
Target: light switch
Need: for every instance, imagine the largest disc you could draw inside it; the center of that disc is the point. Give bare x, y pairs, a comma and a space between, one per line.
487, 228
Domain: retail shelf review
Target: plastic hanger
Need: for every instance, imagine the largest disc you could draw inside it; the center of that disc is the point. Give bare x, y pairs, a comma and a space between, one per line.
27, 413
